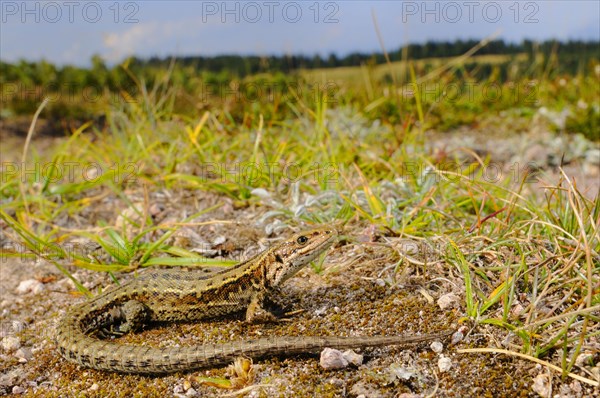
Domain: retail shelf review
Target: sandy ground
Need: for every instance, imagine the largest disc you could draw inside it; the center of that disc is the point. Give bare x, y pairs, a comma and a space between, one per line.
357, 293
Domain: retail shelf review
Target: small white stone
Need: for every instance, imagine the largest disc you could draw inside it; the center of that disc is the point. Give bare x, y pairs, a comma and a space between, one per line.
178, 389
447, 301
321, 311
261, 193
457, 336
541, 384
576, 386
400, 372
18, 390
592, 156
18, 326
11, 343
436, 347
583, 358
94, 387
154, 209
332, 359
444, 364
219, 240
191, 392
24, 354
30, 285
353, 358
334, 381
15, 327
517, 310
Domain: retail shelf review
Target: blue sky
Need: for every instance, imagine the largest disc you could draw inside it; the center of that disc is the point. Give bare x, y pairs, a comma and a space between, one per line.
72, 31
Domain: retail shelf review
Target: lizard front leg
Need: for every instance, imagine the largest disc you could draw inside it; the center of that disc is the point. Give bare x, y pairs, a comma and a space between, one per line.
262, 310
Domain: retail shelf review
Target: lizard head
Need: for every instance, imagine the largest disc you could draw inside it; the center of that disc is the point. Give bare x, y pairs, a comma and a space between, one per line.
294, 253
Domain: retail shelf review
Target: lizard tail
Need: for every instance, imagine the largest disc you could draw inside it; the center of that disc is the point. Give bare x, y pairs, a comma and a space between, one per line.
107, 355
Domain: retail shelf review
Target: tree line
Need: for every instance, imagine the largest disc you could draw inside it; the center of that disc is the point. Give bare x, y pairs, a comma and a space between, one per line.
248, 65
571, 55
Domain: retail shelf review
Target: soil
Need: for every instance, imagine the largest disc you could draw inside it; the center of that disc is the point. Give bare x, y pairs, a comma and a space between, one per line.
356, 293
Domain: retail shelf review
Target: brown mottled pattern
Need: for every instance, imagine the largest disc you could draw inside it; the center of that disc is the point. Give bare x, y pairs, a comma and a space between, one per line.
179, 295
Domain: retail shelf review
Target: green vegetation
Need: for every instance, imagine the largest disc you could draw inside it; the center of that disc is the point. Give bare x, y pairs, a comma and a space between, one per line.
291, 149
501, 76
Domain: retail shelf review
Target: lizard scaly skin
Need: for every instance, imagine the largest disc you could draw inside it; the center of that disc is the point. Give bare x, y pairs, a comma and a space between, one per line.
179, 295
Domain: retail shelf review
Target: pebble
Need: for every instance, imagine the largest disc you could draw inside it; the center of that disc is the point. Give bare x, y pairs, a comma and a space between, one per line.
399, 372
592, 156
336, 382
178, 389
444, 364
363, 390
129, 216
541, 384
11, 329
18, 326
332, 359
517, 310
448, 300
457, 336
30, 285
576, 386
11, 343
584, 357
24, 354
321, 311
155, 209
353, 358
261, 193
18, 390
436, 347
184, 390
219, 240
335, 359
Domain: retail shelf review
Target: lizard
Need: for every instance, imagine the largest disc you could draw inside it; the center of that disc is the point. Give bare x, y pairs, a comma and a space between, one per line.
167, 295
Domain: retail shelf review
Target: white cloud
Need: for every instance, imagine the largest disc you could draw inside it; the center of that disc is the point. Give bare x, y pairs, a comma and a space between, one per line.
134, 40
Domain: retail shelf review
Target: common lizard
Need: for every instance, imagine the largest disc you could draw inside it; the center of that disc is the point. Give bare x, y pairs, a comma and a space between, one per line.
179, 295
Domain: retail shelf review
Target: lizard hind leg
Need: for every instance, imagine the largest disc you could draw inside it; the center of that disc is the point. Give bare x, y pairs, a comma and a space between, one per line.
135, 314
127, 317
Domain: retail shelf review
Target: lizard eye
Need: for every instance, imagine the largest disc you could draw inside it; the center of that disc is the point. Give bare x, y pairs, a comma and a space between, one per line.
302, 240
